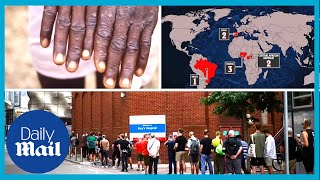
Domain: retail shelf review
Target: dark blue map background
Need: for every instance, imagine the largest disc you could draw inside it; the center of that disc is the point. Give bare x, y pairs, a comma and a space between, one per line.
175, 64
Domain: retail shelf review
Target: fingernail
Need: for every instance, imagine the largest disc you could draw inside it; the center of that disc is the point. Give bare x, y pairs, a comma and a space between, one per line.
110, 82
102, 65
139, 72
85, 53
59, 59
44, 42
125, 82
72, 65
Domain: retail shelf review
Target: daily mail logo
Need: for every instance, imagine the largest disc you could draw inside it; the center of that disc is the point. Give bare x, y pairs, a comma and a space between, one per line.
38, 142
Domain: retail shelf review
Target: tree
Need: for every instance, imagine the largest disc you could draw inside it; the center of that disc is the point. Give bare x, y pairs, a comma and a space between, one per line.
239, 104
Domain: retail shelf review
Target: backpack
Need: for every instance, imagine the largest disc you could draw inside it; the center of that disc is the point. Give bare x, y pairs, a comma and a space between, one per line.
194, 147
91, 143
219, 150
231, 147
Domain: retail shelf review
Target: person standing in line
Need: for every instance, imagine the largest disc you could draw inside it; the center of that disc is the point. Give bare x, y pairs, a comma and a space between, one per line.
124, 149
92, 141
180, 147
233, 150
205, 152
130, 150
153, 149
194, 149
99, 138
116, 153
269, 150
104, 145
145, 153
307, 144
73, 143
138, 148
85, 145
293, 146
171, 154
219, 157
244, 154
259, 140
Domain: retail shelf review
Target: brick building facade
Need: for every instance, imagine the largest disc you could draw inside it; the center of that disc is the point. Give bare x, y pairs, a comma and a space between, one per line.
109, 112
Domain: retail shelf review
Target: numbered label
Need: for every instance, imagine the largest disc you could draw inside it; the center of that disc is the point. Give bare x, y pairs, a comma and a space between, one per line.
230, 68
269, 60
224, 34
194, 80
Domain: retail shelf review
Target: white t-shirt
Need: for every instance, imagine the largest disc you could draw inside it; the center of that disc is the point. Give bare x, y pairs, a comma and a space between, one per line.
42, 58
153, 146
270, 148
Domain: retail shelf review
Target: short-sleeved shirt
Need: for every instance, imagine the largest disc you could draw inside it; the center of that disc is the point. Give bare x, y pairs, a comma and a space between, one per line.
206, 145
170, 146
259, 140
232, 145
93, 140
73, 140
182, 141
145, 148
139, 147
99, 138
124, 144
115, 146
84, 141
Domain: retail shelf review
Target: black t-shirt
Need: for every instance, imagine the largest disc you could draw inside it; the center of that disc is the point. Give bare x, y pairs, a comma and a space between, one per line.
292, 148
99, 138
124, 144
308, 152
115, 145
182, 141
206, 143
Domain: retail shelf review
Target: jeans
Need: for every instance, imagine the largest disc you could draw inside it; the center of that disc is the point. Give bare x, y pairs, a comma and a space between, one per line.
233, 166
172, 161
206, 159
104, 157
84, 151
124, 160
153, 162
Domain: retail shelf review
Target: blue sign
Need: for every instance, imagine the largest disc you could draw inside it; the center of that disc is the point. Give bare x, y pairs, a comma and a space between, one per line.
38, 141
147, 128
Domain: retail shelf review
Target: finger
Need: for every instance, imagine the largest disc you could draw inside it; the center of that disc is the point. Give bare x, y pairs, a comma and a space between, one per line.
48, 19
117, 44
76, 36
129, 62
103, 35
61, 34
91, 22
145, 42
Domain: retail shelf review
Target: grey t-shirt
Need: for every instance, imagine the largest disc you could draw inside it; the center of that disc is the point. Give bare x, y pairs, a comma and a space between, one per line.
259, 139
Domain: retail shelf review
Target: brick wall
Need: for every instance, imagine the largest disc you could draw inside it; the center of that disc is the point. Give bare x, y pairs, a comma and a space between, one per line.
109, 112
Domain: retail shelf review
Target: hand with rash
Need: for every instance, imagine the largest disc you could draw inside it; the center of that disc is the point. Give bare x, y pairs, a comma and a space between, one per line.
118, 36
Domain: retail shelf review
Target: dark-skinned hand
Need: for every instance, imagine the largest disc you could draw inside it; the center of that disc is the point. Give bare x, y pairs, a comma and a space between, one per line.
119, 36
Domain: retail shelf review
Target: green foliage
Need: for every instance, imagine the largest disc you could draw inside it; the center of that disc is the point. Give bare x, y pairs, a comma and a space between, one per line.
238, 104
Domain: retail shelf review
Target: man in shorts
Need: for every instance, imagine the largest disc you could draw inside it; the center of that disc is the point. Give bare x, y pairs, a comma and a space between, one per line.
180, 146
194, 147
104, 145
138, 148
259, 140
145, 153
92, 140
269, 150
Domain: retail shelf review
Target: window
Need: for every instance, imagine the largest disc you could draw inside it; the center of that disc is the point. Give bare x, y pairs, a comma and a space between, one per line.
302, 100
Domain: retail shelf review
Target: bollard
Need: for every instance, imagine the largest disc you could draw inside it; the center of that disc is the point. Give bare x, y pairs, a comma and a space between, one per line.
75, 153
81, 155
69, 152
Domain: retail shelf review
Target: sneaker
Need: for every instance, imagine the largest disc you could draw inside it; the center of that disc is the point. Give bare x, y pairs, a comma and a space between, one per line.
142, 169
131, 168
126, 170
113, 167
138, 169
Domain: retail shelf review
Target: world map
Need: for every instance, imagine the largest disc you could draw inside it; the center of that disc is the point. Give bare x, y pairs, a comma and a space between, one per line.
206, 41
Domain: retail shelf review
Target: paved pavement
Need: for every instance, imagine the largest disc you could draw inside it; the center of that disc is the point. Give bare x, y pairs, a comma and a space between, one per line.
70, 166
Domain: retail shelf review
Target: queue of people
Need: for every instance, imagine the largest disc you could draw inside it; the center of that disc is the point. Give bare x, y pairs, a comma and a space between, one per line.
229, 156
